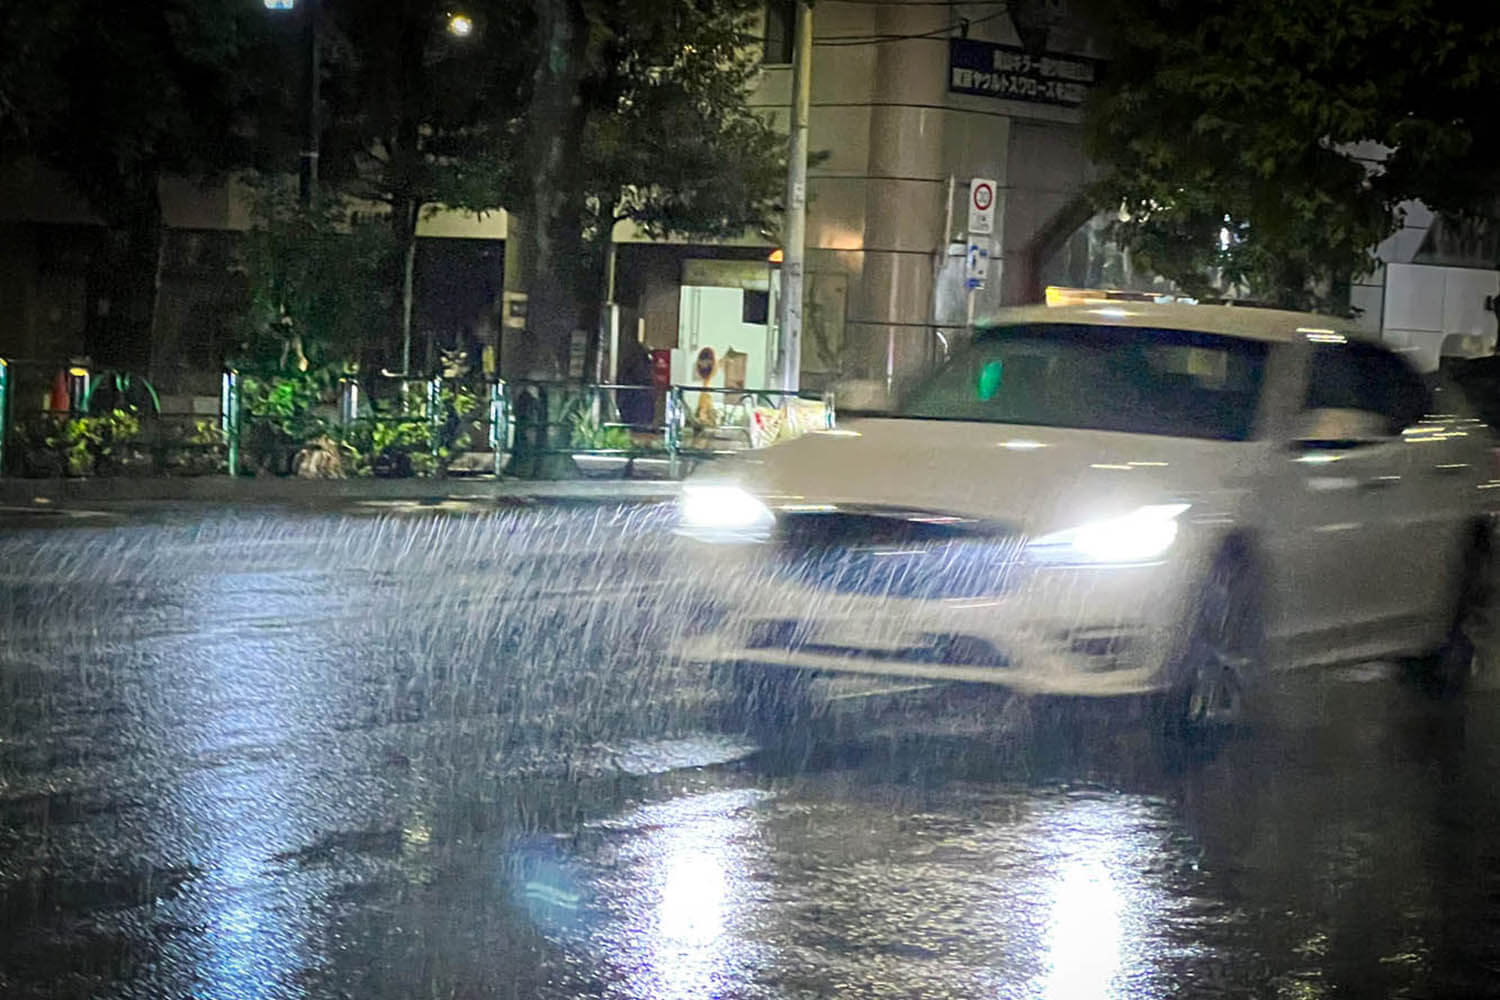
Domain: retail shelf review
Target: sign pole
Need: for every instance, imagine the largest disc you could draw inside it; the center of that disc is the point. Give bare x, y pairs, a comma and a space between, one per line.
794, 229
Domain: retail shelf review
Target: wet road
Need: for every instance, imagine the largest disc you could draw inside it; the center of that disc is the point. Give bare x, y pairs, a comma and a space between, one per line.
403, 752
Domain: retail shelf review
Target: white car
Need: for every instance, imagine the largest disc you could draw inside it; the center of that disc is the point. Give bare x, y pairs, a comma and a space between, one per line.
1112, 499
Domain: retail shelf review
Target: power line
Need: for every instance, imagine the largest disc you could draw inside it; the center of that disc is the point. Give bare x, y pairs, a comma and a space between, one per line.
840, 41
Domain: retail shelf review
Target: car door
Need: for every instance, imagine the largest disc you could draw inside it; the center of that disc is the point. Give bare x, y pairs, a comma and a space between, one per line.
1449, 457
1430, 506
1343, 485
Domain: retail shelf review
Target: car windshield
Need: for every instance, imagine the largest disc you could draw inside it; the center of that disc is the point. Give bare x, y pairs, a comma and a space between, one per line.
1115, 378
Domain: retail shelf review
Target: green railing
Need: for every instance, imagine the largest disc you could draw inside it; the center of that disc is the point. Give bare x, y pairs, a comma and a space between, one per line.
61, 418
675, 434
389, 424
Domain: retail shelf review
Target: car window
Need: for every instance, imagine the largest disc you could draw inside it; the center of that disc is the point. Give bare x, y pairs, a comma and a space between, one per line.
1134, 379
1360, 376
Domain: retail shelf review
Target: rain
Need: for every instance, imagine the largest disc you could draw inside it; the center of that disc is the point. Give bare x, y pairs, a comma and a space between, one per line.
446, 750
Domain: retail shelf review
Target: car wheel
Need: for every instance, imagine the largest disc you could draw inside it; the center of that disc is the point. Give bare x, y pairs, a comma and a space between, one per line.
1449, 670
1219, 669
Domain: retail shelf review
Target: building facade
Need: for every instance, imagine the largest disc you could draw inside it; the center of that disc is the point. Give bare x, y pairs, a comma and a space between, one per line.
911, 102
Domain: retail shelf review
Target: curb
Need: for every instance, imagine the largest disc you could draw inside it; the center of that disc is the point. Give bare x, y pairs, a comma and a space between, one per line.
222, 489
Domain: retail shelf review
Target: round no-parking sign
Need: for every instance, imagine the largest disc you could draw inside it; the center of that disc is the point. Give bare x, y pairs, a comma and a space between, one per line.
981, 206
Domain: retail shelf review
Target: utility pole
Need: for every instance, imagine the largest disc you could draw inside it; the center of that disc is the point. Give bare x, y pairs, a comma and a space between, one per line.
307, 175
794, 228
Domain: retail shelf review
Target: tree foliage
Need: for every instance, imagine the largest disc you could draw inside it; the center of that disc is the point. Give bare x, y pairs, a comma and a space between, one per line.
420, 118
673, 146
115, 96
1237, 133
638, 111
320, 293
415, 115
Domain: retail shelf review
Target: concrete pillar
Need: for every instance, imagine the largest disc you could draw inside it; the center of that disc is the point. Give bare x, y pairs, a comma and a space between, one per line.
514, 349
889, 333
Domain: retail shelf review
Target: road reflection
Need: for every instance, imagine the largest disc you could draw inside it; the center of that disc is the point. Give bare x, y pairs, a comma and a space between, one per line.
1084, 932
672, 883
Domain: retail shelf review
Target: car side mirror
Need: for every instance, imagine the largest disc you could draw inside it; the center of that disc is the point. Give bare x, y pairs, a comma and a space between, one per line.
1334, 428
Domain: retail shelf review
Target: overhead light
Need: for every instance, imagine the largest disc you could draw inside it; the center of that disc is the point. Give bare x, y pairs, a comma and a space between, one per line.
279, 4
460, 25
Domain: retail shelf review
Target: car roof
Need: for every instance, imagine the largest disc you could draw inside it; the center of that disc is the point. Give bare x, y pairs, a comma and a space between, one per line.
1248, 322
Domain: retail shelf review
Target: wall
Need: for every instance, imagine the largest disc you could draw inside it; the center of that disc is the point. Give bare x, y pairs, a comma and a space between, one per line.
47, 240
895, 139
713, 317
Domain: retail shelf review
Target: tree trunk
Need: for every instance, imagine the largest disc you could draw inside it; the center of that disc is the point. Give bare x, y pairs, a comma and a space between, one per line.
123, 304
602, 261
557, 117
404, 219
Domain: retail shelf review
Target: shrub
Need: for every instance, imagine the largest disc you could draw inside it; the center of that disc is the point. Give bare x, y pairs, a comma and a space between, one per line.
99, 445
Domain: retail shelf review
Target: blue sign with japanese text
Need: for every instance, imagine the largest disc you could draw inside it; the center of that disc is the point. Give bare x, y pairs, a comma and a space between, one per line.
987, 69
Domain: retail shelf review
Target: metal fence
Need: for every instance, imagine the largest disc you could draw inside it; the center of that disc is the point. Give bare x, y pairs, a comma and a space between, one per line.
63, 419
613, 429
51, 424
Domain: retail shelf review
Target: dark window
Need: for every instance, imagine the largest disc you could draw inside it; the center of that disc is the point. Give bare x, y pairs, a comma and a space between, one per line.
756, 308
1359, 376
781, 19
1133, 379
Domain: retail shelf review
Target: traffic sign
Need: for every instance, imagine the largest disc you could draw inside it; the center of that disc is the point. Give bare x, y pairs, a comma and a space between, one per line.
981, 206
977, 264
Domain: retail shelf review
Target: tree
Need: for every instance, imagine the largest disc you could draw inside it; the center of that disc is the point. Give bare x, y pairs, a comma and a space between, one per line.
317, 285
1236, 133
114, 97
638, 111
419, 117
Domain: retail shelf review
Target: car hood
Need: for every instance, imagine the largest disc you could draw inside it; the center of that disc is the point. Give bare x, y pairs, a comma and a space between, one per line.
1032, 478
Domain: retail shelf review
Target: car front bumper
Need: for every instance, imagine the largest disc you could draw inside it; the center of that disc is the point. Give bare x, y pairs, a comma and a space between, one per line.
1087, 631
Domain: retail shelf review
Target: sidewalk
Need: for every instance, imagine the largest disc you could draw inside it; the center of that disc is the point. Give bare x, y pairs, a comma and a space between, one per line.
223, 489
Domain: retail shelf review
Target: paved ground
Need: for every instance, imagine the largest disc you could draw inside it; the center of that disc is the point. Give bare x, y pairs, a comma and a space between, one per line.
387, 751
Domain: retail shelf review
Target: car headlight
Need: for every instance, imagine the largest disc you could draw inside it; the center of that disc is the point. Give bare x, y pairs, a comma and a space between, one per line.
1142, 536
723, 513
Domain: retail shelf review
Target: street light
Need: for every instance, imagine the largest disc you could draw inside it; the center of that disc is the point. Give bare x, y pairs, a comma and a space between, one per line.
460, 25
307, 176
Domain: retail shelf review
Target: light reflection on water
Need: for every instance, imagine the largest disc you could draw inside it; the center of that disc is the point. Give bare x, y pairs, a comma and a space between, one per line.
691, 913
667, 891
252, 805
1107, 916
1083, 933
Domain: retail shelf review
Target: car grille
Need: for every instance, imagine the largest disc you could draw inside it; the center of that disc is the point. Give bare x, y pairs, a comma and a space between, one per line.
929, 647
903, 554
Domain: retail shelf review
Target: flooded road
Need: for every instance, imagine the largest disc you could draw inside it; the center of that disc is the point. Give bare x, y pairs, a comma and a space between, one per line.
404, 752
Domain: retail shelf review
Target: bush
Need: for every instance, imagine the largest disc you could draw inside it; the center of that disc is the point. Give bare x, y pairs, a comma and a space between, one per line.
411, 440
280, 415
588, 434
198, 450
100, 445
